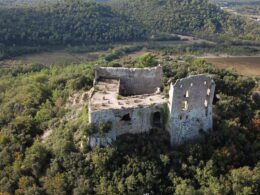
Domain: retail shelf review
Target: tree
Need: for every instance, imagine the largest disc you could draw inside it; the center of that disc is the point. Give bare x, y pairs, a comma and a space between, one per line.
147, 60
56, 184
36, 159
245, 181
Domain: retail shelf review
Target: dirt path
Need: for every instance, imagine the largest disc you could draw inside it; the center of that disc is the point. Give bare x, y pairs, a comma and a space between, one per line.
191, 39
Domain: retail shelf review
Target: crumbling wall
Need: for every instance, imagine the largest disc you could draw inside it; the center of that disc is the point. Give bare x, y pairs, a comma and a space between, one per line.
190, 107
132, 120
133, 81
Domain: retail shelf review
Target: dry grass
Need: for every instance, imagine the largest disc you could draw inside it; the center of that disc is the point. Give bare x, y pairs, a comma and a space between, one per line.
137, 54
64, 57
47, 58
248, 66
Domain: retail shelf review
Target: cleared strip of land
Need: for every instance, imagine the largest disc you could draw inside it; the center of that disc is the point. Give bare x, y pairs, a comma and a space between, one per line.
248, 66
55, 57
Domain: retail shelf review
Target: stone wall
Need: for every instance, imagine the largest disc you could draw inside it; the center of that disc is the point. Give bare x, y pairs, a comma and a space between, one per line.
133, 81
133, 120
190, 107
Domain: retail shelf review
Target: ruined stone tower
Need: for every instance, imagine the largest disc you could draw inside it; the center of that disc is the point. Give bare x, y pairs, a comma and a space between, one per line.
130, 100
190, 106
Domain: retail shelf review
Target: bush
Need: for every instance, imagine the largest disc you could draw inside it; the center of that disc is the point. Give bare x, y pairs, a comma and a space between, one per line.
147, 60
36, 159
81, 82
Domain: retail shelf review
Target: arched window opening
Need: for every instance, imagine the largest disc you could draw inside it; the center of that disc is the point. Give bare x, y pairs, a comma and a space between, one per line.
208, 92
206, 103
186, 95
156, 119
184, 105
206, 107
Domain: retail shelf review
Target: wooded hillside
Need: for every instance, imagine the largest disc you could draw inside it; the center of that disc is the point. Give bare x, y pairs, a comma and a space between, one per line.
67, 23
197, 17
83, 22
33, 101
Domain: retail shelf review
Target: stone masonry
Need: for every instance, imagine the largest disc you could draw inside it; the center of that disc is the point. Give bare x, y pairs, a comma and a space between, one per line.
131, 101
190, 107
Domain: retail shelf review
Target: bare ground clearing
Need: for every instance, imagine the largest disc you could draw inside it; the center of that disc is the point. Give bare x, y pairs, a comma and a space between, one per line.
55, 57
248, 66
65, 57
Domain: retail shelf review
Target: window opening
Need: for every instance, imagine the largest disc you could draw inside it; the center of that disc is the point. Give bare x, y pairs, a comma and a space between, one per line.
126, 118
186, 95
208, 92
184, 105
156, 119
206, 103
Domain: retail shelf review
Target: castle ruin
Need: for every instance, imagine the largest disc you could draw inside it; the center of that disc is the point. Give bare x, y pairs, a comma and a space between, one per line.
131, 101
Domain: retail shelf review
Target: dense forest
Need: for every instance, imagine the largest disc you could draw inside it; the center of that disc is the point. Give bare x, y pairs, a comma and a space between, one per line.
33, 100
83, 22
68, 23
36, 28
26, 2
196, 17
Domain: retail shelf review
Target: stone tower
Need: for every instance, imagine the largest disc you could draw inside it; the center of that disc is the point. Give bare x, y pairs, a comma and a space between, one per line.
190, 107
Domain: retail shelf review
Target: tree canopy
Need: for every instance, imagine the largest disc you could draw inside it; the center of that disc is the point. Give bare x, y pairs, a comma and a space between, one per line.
74, 23
33, 101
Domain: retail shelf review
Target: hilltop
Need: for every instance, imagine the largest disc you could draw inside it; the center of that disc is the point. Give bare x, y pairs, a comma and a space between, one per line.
46, 100
44, 128
88, 22
66, 23
29, 29
198, 17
